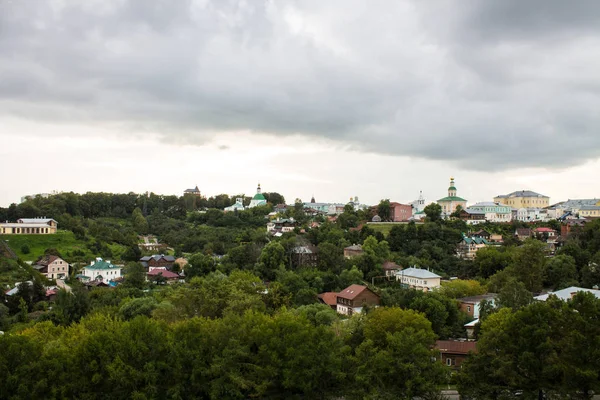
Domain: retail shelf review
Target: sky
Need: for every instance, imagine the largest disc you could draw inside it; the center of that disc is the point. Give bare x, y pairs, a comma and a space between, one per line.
331, 99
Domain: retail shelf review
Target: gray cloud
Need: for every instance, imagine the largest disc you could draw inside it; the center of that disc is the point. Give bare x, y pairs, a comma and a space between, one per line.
482, 84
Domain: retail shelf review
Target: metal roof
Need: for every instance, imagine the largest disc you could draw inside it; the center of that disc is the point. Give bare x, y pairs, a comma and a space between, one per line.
566, 294
418, 273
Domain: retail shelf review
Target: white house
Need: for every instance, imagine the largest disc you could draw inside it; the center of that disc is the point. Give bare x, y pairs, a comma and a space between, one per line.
568, 293
258, 199
494, 212
101, 271
239, 205
417, 278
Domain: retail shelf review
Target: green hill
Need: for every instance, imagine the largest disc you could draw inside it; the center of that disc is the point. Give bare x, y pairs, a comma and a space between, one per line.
64, 241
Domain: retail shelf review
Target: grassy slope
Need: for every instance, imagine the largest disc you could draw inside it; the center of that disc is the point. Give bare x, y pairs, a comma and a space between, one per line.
63, 241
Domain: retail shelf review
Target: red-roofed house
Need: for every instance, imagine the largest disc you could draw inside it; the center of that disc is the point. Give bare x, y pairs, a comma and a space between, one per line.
329, 298
352, 299
454, 352
156, 274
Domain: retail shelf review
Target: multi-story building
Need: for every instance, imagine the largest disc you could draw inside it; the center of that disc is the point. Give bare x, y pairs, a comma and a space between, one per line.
400, 212
352, 299
29, 226
194, 192
451, 202
590, 211
420, 279
523, 199
469, 246
470, 305
494, 212
258, 199
53, 267
418, 205
100, 271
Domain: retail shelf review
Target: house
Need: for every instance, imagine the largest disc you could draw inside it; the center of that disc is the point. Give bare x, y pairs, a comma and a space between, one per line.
472, 217
590, 211
157, 261
305, 256
101, 271
470, 328
523, 199
568, 293
194, 192
470, 305
352, 299
258, 199
53, 267
418, 205
420, 279
482, 233
572, 227
545, 233
523, 233
329, 298
156, 274
454, 352
531, 214
390, 269
400, 212
281, 225
469, 246
353, 251
238, 205
451, 202
29, 226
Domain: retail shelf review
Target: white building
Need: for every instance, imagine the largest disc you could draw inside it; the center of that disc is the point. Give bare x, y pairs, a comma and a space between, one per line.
258, 199
419, 204
420, 279
532, 214
239, 205
494, 212
101, 271
568, 293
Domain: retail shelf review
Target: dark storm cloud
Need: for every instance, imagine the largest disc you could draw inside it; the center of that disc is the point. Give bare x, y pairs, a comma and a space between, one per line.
492, 84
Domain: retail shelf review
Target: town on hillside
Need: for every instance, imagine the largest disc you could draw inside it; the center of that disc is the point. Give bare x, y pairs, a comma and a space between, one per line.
369, 290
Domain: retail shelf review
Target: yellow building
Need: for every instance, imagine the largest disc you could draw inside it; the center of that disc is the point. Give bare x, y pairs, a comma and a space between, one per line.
590, 211
451, 202
523, 199
29, 226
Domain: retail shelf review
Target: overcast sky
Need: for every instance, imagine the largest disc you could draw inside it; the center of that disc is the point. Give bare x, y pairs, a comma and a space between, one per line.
376, 99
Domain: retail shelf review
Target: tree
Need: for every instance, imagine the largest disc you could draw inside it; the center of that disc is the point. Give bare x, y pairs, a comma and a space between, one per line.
560, 272
433, 212
384, 210
490, 260
140, 224
514, 295
199, 265
528, 264
395, 358
350, 276
135, 276
462, 288
456, 213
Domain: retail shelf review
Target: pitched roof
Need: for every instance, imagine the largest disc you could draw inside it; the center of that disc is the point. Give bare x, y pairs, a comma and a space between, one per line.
476, 240
356, 247
352, 291
46, 260
523, 232
521, 193
165, 273
329, 298
455, 346
451, 198
566, 294
390, 265
478, 298
101, 265
418, 273
544, 230
35, 220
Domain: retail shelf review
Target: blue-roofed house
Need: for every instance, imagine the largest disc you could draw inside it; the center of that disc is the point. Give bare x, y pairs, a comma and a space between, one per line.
417, 278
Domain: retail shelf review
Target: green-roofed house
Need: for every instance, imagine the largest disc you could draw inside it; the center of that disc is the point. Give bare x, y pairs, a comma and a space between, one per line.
258, 199
452, 201
468, 247
100, 271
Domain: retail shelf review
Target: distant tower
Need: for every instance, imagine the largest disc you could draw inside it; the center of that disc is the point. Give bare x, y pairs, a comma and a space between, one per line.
452, 188
312, 199
258, 188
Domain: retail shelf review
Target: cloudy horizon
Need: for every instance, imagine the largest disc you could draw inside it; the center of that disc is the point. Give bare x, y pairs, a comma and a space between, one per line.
332, 99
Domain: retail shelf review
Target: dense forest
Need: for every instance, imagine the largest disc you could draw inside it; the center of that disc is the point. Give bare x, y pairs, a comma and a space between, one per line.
247, 323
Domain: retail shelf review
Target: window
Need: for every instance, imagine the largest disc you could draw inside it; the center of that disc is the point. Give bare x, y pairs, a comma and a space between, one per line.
448, 361
468, 308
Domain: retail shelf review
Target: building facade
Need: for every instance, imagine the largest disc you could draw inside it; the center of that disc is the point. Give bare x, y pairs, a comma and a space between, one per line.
400, 212
523, 199
101, 271
451, 202
29, 226
494, 212
420, 279
52, 267
258, 199
352, 299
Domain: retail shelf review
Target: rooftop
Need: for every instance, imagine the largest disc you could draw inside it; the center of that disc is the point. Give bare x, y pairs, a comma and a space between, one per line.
477, 299
418, 273
455, 346
100, 264
522, 193
452, 198
567, 294
352, 291
329, 298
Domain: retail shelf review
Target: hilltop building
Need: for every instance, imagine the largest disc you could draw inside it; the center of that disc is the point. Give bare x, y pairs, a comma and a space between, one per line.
29, 226
494, 212
418, 205
420, 279
238, 205
451, 202
194, 192
523, 199
258, 199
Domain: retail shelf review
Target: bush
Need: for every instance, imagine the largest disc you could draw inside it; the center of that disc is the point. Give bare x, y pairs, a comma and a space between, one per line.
25, 249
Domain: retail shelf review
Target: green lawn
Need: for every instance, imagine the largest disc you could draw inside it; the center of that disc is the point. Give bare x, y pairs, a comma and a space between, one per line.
64, 241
